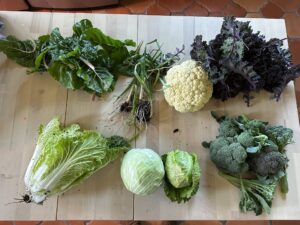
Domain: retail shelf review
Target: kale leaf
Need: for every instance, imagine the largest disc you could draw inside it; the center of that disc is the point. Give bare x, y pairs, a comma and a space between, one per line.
241, 61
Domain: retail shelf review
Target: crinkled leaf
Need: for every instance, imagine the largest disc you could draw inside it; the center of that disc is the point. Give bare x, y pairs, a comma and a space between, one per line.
65, 73
183, 194
66, 157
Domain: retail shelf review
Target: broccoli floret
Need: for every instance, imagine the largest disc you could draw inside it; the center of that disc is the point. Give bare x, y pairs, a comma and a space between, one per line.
280, 135
228, 128
253, 126
246, 139
268, 164
270, 146
229, 157
252, 143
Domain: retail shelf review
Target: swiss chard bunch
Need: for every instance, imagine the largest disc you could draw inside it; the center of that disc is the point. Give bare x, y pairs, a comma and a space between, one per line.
88, 60
251, 155
241, 61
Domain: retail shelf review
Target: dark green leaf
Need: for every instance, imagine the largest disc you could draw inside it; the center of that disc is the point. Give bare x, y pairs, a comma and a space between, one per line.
65, 73
23, 52
80, 27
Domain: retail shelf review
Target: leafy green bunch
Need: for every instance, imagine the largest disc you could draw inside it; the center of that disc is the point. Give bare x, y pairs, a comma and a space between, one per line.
88, 60
239, 60
149, 65
251, 155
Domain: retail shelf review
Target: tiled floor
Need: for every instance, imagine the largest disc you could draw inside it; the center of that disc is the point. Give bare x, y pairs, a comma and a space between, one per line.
287, 9
152, 223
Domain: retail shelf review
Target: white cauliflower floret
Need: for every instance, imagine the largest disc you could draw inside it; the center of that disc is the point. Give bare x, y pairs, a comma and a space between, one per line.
188, 87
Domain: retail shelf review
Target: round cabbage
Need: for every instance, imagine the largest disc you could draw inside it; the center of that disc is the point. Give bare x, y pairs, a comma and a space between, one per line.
179, 168
142, 171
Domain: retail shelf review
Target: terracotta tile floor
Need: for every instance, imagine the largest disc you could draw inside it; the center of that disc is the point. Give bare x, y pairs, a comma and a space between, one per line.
287, 9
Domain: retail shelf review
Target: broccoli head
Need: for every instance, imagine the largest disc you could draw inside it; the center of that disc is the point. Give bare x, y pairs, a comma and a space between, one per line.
228, 157
280, 135
246, 139
270, 146
252, 143
253, 126
268, 164
228, 128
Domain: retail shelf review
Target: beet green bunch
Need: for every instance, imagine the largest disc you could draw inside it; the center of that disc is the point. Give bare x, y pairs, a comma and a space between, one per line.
241, 61
251, 155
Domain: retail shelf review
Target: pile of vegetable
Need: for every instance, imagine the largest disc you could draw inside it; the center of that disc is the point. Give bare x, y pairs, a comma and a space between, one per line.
149, 67
251, 155
65, 157
241, 61
88, 60
92, 61
187, 87
143, 171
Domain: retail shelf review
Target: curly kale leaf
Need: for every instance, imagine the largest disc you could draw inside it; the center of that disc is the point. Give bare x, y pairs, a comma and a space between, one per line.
241, 61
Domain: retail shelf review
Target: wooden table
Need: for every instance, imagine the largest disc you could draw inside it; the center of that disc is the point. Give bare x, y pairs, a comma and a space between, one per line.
28, 101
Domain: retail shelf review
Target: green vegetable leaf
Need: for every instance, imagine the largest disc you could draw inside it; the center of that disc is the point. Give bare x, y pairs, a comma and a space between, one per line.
65, 73
98, 79
65, 157
185, 193
80, 27
23, 52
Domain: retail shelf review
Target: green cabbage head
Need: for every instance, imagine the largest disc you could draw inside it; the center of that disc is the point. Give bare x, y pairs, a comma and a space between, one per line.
182, 175
142, 171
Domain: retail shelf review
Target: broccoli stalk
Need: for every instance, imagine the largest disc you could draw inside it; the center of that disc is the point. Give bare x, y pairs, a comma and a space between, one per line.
255, 196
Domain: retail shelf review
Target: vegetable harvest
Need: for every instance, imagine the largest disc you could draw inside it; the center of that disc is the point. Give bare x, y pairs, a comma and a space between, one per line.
187, 87
88, 60
65, 157
251, 155
143, 171
241, 61
182, 175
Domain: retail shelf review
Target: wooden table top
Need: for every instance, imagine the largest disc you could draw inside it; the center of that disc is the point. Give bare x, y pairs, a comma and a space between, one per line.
28, 101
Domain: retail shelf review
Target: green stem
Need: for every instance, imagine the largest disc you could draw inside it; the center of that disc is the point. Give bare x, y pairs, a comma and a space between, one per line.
284, 186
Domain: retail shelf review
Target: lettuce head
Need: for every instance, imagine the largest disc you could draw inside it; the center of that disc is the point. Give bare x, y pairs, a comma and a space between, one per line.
64, 157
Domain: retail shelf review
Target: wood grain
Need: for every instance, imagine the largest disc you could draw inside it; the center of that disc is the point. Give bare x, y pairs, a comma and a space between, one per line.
27, 101
102, 196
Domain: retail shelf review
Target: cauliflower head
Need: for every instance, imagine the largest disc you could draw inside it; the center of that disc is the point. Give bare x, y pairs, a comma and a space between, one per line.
188, 87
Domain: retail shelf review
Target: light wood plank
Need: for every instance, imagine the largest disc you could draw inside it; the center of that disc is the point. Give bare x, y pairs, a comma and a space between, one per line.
26, 101
172, 32
102, 196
